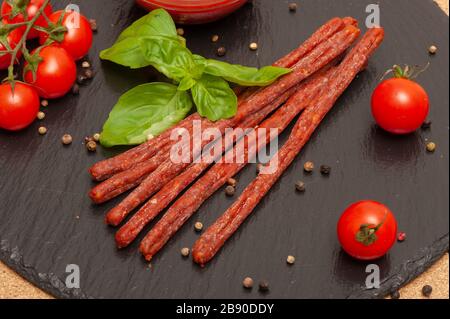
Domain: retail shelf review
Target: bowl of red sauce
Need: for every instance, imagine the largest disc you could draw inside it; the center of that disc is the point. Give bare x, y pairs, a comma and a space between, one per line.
194, 11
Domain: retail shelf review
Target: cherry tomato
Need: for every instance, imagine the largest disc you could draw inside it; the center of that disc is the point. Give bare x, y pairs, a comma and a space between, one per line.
18, 108
367, 230
399, 105
13, 39
78, 38
55, 74
31, 9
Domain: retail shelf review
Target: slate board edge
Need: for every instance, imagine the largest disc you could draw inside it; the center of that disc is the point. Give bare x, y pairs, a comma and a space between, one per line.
408, 271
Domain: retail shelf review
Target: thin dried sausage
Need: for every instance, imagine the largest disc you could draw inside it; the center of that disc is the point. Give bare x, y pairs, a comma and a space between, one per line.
214, 238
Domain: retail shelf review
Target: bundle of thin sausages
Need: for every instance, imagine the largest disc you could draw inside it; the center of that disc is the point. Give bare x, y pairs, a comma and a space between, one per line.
313, 86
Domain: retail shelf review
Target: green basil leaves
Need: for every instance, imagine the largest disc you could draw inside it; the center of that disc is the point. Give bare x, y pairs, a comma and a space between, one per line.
150, 109
214, 98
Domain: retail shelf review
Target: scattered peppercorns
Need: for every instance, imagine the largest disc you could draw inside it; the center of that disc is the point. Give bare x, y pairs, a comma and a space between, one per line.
426, 125
198, 226
427, 290
293, 7
290, 260
401, 237
300, 186
85, 65
81, 79
232, 182
42, 130
230, 190
180, 32
44, 103
96, 137
264, 285
89, 74
247, 283
185, 252
215, 38
253, 46
66, 139
308, 167
325, 169
40, 115
431, 147
221, 51
93, 24
395, 294
91, 146
75, 89
432, 49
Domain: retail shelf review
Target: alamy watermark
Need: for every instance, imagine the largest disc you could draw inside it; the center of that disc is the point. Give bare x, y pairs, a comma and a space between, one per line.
373, 279
240, 146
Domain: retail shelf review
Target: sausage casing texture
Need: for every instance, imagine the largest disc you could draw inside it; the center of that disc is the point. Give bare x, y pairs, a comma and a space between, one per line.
216, 177
215, 236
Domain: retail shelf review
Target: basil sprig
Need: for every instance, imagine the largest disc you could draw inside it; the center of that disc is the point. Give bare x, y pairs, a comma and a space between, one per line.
150, 109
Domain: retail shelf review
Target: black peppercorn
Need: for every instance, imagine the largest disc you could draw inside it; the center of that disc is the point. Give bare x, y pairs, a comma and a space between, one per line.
427, 290
221, 51
230, 190
264, 285
75, 89
426, 125
395, 295
300, 186
81, 79
325, 170
292, 7
89, 74
94, 26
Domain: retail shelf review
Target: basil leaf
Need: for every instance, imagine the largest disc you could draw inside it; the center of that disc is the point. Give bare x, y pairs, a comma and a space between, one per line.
242, 75
148, 109
170, 58
126, 50
214, 98
127, 53
187, 83
156, 23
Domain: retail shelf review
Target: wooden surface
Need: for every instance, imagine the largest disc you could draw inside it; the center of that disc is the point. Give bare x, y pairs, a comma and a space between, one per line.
13, 286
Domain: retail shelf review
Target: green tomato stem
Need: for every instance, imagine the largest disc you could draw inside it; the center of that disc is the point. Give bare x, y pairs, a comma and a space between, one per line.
22, 41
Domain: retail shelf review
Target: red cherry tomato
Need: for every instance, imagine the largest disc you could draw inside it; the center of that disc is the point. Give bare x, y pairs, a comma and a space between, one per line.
78, 38
55, 74
18, 108
13, 39
399, 105
367, 230
31, 9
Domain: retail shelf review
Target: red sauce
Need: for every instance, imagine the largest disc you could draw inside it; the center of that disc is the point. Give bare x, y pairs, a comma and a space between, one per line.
194, 11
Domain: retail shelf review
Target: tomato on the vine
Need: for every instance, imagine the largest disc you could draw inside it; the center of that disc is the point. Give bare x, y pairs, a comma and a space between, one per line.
16, 13
56, 72
367, 230
76, 39
13, 39
400, 105
18, 107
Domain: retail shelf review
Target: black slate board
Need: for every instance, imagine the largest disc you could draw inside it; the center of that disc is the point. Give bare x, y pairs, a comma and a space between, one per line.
43, 184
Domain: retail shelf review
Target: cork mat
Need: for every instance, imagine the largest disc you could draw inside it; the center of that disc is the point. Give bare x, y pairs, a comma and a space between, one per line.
13, 286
